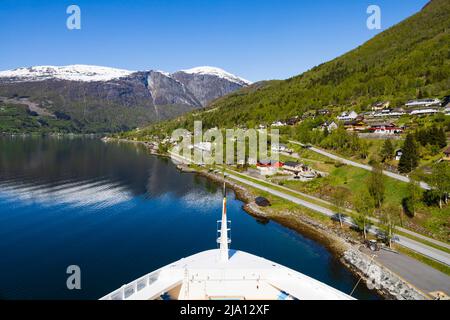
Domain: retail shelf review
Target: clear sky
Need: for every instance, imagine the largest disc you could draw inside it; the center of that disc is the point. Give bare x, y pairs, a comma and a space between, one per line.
254, 39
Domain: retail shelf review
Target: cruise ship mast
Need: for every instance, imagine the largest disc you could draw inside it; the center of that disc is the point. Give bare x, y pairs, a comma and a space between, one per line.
223, 239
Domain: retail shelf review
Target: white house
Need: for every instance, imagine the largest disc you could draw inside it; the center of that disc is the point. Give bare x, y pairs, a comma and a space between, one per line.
278, 124
281, 148
347, 116
423, 103
447, 111
423, 112
329, 126
267, 171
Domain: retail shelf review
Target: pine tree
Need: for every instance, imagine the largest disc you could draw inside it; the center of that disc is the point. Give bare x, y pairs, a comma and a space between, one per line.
387, 152
375, 185
410, 158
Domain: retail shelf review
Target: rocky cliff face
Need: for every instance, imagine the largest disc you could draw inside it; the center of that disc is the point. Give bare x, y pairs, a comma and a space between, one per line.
112, 99
206, 87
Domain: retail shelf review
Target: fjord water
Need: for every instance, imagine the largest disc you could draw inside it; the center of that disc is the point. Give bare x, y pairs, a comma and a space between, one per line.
118, 213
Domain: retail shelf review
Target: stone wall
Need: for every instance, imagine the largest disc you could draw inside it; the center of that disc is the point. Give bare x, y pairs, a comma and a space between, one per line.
379, 278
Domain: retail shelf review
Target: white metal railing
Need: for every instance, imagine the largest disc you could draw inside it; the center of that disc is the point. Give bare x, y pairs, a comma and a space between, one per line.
219, 231
131, 288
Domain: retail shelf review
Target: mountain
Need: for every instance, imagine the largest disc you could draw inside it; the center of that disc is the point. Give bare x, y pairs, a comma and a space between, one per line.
409, 60
102, 99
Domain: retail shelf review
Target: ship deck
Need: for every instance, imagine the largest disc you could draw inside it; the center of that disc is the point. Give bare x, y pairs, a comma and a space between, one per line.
243, 276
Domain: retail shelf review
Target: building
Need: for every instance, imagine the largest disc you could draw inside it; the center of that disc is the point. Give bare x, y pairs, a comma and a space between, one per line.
385, 128
281, 147
293, 166
267, 168
422, 112
446, 102
347, 116
355, 125
423, 103
329, 126
278, 124
398, 154
378, 106
446, 154
447, 111
324, 112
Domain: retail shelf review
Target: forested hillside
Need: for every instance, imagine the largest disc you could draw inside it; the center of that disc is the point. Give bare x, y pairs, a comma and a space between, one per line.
409, 60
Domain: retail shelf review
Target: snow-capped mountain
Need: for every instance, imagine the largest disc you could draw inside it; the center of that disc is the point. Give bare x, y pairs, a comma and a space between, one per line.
89, 73
217, 72
72, 73
116, 99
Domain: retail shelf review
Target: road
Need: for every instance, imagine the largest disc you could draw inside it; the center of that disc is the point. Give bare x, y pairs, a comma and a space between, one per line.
421, 276
418, 247
396, 176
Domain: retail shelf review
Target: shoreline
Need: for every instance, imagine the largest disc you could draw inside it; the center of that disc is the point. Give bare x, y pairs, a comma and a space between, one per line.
342, 247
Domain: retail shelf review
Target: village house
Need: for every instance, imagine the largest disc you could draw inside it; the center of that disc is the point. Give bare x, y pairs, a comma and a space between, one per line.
398, 154
378, 106
299, 170
281, 147
421, 112
267, 168
324, 112
347, 116
423, 103
355, 125
385, 128
329, 126
278, 124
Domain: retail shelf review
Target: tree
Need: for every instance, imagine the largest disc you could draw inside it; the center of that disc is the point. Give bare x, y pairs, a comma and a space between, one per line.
414, 196
387, 151
440, 181
410, 157
375, 185
389, 219
364, 207
338, 198
441, 138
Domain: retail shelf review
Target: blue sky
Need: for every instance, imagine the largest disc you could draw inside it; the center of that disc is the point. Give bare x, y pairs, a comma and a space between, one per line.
255, 39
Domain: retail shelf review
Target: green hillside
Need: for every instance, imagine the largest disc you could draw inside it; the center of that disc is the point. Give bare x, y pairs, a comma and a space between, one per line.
409, 60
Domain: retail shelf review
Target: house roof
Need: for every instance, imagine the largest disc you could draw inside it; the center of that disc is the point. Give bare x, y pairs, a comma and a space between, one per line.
292, 164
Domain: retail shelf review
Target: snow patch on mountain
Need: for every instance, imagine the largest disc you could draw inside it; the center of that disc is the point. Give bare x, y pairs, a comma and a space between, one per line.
213, 71
77, 72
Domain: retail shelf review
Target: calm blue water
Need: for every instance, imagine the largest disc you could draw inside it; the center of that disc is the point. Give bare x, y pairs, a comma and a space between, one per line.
119, 213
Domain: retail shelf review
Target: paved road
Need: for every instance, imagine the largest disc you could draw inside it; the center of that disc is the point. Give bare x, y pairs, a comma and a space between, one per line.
360, 165
421, 248
422, 276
